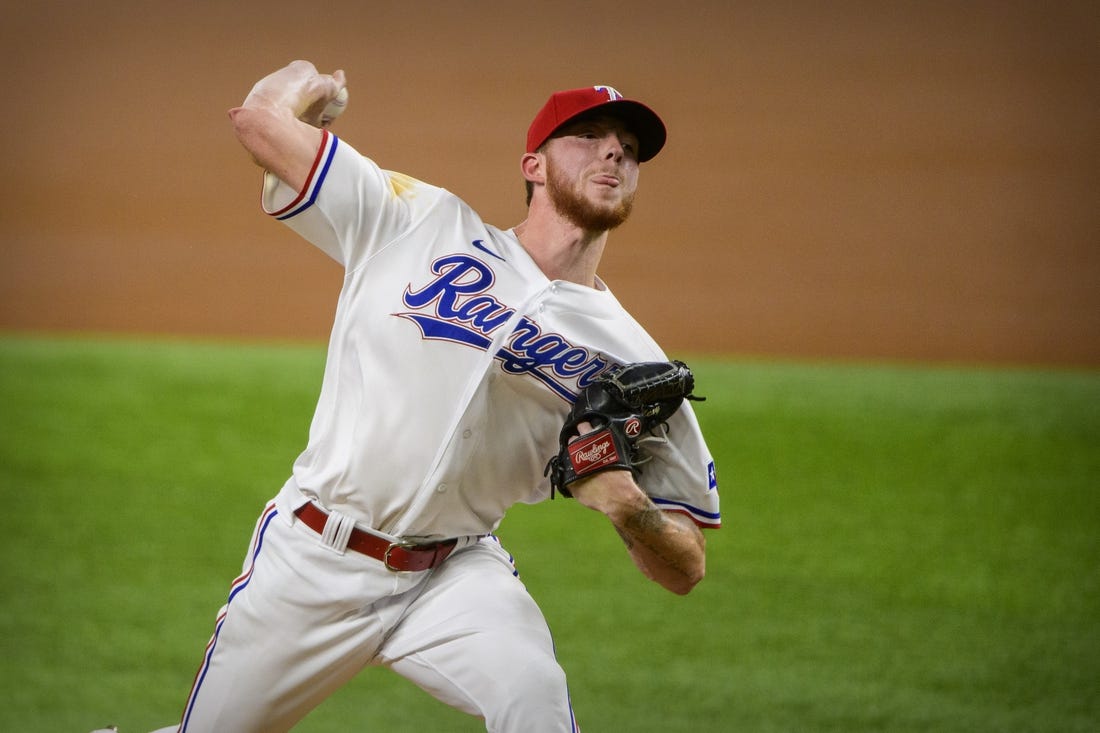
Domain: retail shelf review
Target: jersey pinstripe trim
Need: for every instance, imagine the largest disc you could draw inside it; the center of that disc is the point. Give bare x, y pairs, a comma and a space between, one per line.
710, 520
236, 587
317, 173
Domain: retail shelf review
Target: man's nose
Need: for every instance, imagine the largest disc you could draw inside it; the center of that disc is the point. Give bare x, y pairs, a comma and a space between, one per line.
613, 147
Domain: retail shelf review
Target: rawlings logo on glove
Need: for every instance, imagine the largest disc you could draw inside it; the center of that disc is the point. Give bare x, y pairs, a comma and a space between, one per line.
592, 452
623, 406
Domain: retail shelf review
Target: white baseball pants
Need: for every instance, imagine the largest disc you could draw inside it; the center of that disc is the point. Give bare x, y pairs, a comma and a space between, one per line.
303, 619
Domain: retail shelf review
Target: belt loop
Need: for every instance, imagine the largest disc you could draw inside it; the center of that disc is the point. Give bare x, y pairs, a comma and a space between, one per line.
337, 532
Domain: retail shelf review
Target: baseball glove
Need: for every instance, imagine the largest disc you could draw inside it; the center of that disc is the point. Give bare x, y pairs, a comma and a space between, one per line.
623, 406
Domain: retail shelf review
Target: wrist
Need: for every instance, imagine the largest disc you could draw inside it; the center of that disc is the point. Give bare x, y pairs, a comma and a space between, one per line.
613, 493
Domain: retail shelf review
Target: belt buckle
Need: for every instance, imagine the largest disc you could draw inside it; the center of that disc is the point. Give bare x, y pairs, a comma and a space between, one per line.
392, 546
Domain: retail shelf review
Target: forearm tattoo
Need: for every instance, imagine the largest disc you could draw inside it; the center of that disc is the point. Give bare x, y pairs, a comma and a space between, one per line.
641, 524
652, 537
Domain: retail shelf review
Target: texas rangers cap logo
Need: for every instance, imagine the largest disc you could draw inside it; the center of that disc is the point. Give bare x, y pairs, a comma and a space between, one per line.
611, 92
570, 104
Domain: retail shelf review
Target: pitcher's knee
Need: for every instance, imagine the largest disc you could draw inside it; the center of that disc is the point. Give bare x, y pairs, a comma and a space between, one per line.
541, 678
534, 699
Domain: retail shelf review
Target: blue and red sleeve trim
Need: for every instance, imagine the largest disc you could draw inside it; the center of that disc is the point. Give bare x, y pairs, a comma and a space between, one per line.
308, 195
708, 520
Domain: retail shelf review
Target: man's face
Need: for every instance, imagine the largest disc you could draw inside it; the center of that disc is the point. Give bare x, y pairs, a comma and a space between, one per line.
592, 172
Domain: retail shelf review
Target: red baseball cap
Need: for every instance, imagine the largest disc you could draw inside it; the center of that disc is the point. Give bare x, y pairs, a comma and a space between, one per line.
562, 107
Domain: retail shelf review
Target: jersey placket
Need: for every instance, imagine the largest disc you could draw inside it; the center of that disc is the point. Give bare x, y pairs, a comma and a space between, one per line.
446, 472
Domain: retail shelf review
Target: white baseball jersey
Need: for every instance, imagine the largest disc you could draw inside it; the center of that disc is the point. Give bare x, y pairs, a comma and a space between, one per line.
454, 361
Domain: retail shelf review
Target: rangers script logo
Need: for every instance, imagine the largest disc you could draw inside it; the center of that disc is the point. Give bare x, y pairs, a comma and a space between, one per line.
456, 306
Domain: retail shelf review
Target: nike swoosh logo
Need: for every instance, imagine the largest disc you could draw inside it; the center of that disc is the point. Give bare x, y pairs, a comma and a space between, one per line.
480, 244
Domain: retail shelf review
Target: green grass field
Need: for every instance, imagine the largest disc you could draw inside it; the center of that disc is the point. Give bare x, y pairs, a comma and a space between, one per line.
905, 548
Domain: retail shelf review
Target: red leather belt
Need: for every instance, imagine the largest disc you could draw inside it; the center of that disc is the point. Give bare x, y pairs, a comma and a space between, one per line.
396, 556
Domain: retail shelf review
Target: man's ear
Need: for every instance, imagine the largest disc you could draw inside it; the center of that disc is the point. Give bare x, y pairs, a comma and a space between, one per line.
533, 166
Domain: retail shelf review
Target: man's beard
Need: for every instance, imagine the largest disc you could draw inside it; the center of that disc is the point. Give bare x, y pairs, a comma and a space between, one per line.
579, 210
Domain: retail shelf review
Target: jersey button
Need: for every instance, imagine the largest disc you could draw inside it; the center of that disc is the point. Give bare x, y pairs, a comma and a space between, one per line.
442, 488
467, 433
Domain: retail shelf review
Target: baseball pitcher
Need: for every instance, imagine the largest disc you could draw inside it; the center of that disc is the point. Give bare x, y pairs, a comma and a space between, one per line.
469, 368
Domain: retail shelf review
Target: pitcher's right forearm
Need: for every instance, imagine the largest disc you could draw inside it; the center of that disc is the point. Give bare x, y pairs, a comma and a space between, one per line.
279, 121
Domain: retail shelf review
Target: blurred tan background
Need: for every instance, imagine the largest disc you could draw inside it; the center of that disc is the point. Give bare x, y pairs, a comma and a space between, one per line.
868, 180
